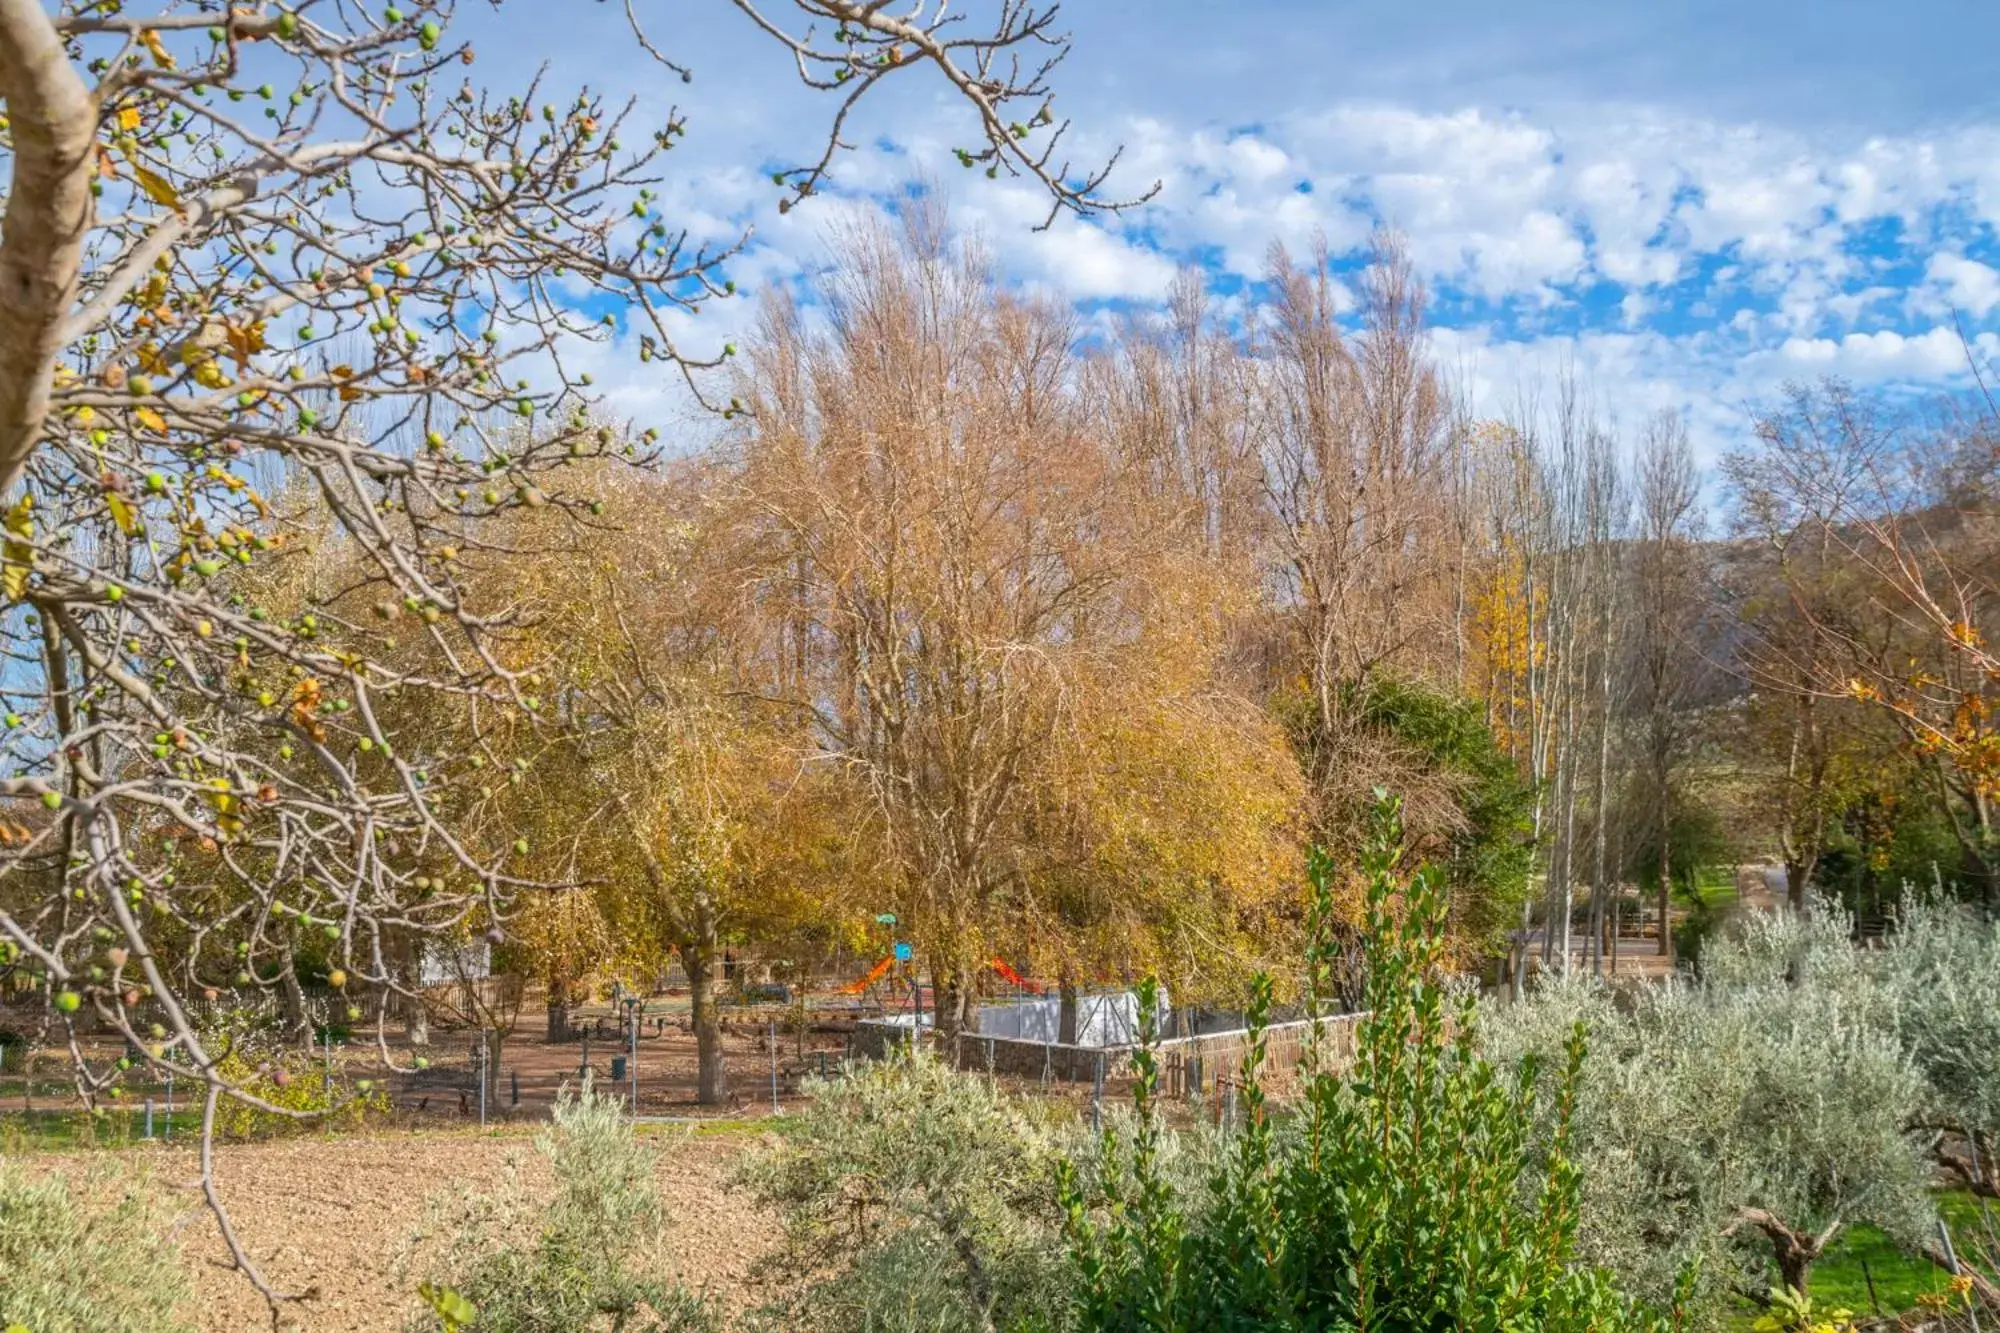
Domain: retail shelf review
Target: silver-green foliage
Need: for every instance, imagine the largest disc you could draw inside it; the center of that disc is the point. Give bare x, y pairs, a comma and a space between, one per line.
916, 1200
90, 1256
1942, 969
1745, 1119
592, 1256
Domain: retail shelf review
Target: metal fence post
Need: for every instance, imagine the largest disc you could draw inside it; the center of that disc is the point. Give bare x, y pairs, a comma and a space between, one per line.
1951, 1260
479, 1071
149, 1117
170, 1107
1097, 1096
775, 1110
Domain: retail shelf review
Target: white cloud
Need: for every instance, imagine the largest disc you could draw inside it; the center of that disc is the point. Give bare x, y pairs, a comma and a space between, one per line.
1935, 354
1689, 263
1967, 284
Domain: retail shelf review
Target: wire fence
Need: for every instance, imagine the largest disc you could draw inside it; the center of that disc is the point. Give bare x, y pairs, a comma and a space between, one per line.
651, 1061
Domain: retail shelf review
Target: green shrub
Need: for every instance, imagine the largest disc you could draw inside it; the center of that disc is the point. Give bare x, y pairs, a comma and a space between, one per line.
255, 1054
1485, 859
96, 1256
916, 1198
590, 1257
292, 1081
1403, 1195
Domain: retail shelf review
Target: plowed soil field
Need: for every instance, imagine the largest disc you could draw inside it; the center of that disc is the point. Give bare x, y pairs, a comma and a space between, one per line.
333, 1216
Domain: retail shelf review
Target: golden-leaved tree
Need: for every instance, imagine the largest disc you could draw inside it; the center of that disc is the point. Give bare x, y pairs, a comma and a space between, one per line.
254, 240
969, 592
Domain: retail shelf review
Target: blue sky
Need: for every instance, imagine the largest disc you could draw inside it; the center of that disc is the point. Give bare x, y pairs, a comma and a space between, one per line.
1688, 203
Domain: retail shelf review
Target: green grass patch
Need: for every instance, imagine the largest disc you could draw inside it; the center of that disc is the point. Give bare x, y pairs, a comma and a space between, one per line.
1714, 888
67, 1130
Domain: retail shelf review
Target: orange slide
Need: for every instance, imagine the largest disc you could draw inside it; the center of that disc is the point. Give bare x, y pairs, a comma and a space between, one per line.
1009, 975
879, 971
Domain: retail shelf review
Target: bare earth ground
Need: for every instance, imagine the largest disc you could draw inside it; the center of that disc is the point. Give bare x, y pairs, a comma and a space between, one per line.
336, 1214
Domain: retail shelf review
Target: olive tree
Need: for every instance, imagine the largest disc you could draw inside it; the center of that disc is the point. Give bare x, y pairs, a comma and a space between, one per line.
916, 1197
286, 277
1942, 968
1744, 1120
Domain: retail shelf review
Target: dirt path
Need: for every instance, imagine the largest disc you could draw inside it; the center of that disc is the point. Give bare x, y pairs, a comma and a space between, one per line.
337, 1214
1760, 887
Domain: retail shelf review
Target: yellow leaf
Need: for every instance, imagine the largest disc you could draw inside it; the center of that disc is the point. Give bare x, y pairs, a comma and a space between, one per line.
152, 43
128, 118
151, 420
156, 187
123, 514
17, 556
246, 341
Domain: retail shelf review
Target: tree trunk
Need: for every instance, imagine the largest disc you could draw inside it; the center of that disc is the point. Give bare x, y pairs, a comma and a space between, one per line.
46, 222
699, 958
1066, 1009
1666, 873
416, 1018
1600, 884
558, 1007
293, 998
494, 1040
1794, 1268
416, 1021
1797, 871
1794, 1253
951, 1000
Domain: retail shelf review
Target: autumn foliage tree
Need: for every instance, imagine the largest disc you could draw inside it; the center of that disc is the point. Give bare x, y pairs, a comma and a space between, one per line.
255, 242
967, 590
1880, 525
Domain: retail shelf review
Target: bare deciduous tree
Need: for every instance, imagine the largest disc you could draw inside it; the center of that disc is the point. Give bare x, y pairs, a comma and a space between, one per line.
1667, 604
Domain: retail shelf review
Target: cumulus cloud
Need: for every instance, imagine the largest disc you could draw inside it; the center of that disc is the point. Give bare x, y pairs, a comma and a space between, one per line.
1935, 354
1674, 261
1966, 284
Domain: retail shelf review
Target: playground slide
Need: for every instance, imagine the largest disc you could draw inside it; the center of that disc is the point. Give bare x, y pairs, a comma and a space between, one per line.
881, 969
875, 974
